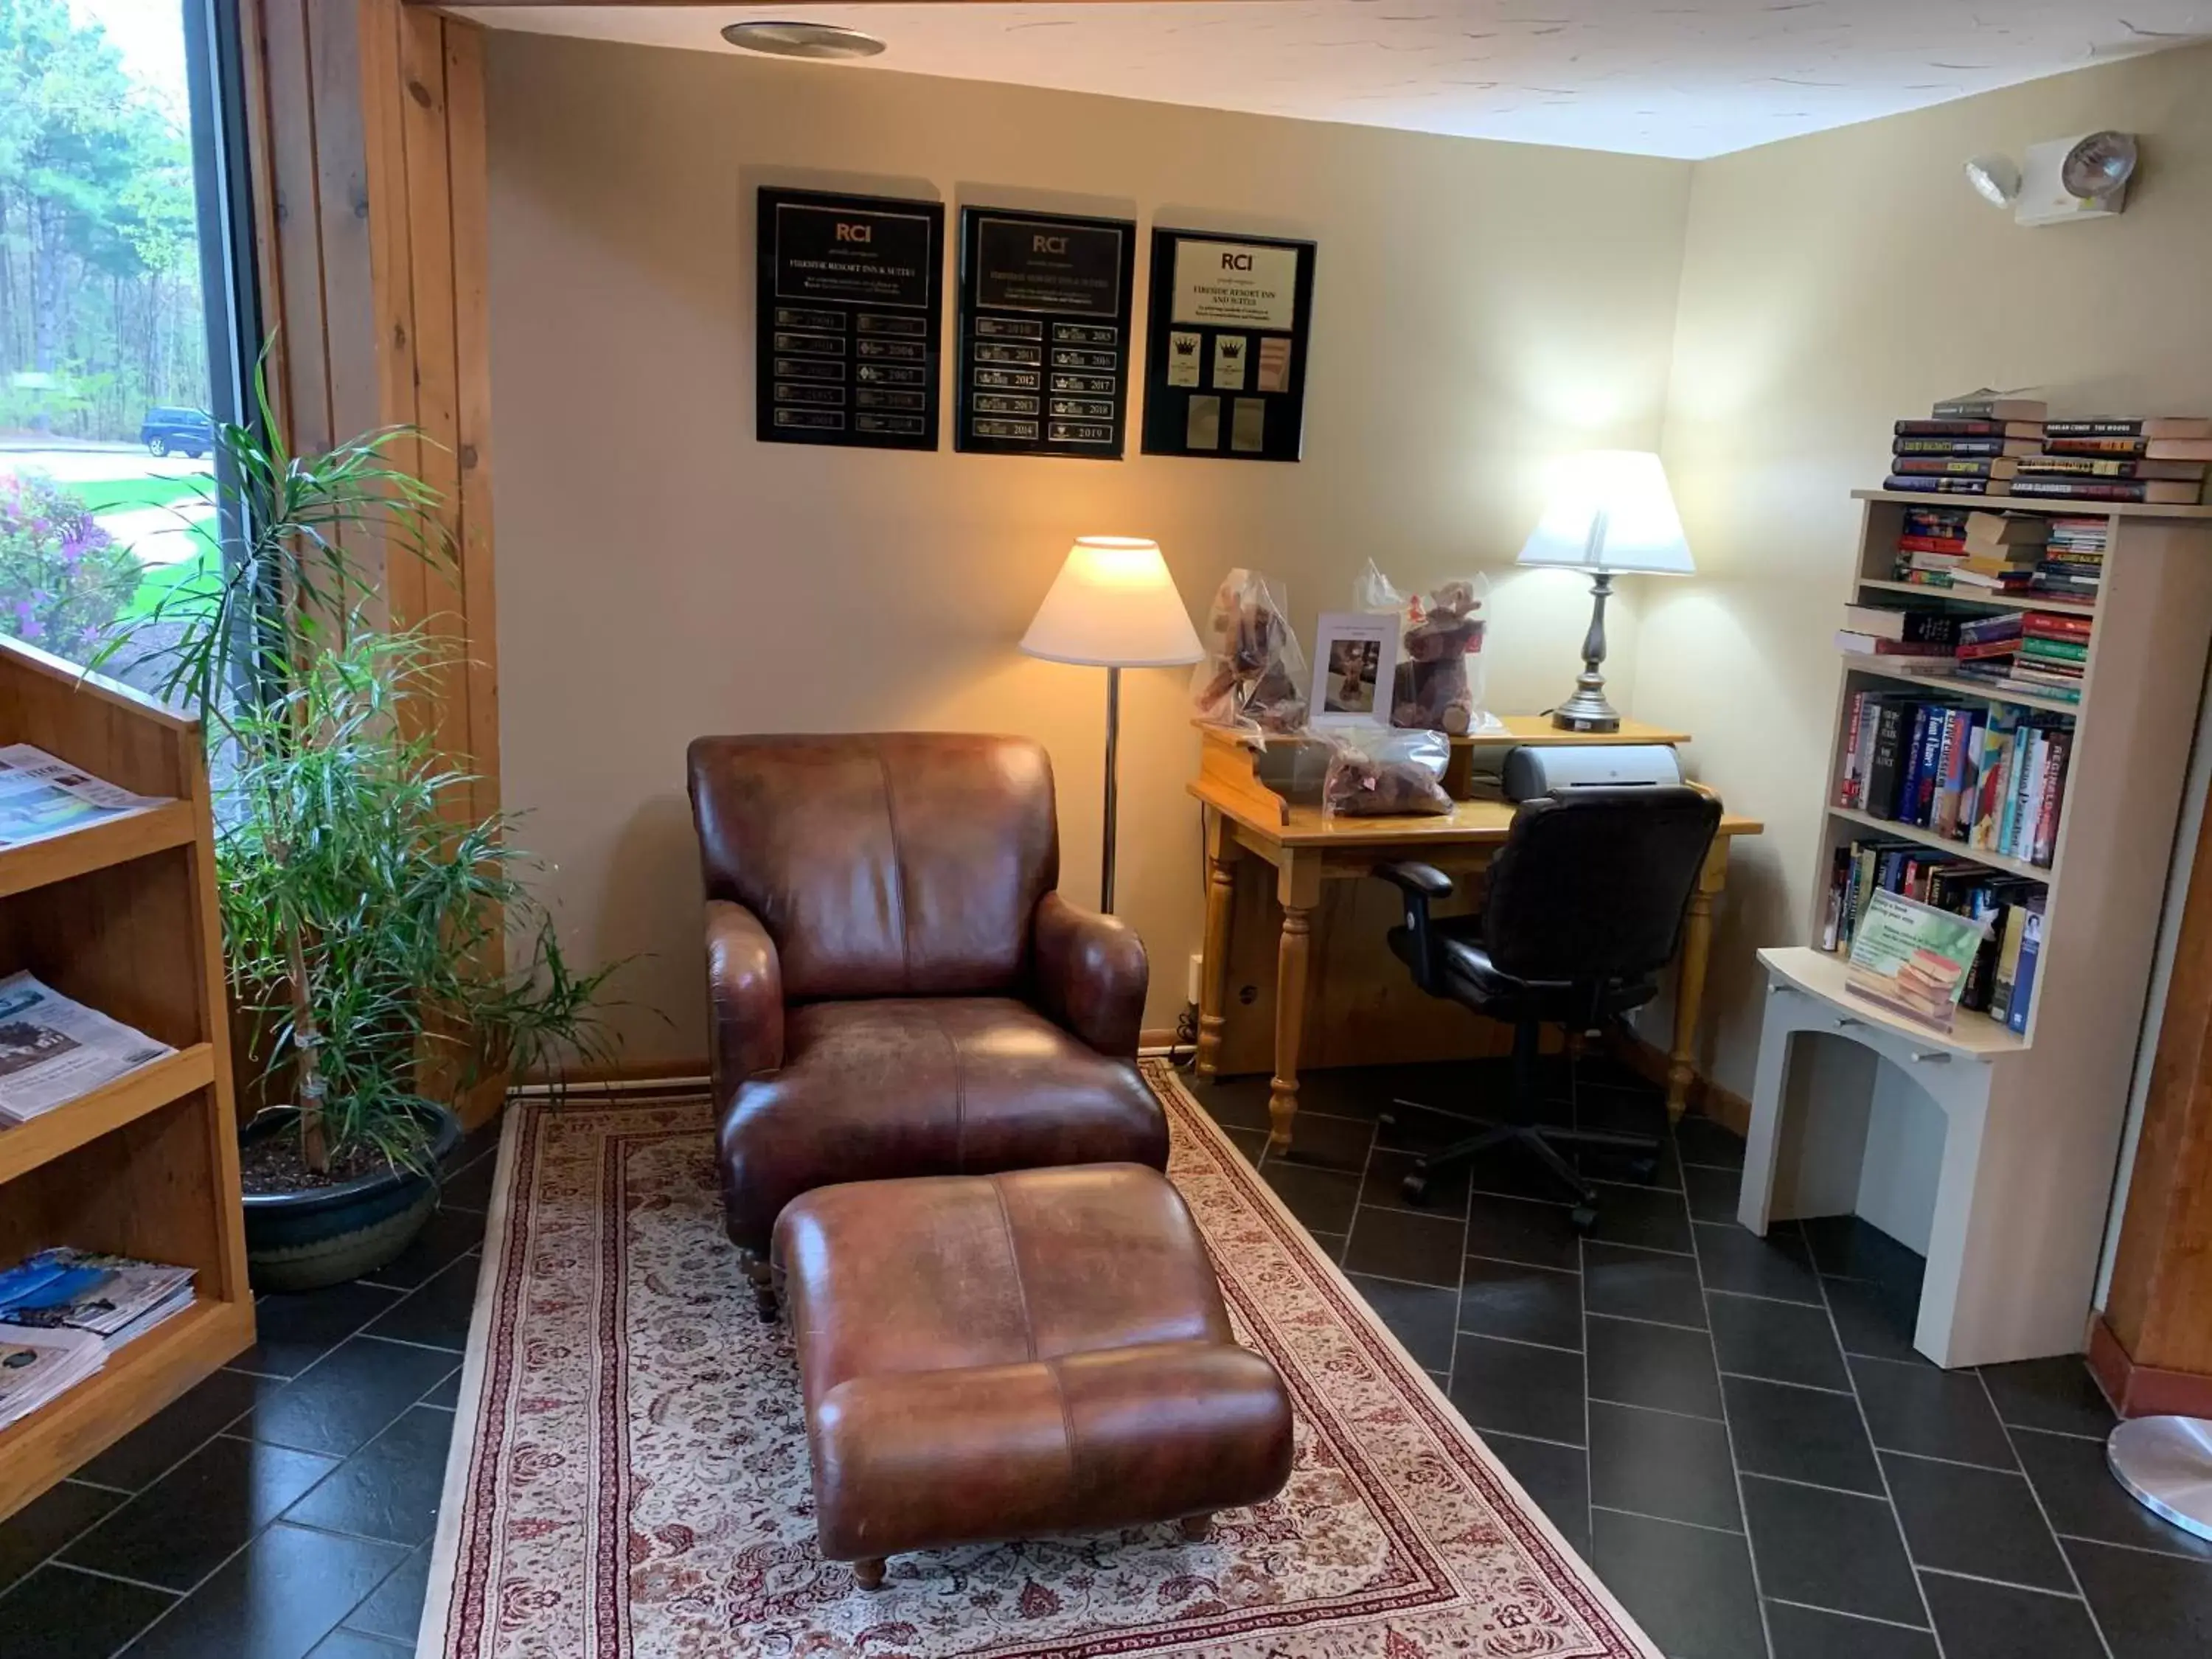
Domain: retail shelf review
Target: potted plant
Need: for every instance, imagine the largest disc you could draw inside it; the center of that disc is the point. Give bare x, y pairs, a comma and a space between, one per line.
384, 953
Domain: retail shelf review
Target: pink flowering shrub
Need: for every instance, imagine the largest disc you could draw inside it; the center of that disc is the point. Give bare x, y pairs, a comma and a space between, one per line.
64, 581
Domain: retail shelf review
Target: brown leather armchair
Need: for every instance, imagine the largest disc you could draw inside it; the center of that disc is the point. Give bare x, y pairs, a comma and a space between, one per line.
896, 988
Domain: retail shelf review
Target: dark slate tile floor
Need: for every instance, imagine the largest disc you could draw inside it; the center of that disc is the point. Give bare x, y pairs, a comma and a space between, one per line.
283, 1508
1736, 1432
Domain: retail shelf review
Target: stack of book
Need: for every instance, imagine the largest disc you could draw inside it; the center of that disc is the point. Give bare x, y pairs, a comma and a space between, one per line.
2073, 563
1989, 778
2043, 654
1999, 552
2002, 981
2161, 459
1972, 445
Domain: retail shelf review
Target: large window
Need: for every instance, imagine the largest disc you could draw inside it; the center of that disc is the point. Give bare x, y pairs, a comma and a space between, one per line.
121, 289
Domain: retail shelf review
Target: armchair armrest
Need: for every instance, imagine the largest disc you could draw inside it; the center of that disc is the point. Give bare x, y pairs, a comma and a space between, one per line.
1091, 975
745, 982
1421, 883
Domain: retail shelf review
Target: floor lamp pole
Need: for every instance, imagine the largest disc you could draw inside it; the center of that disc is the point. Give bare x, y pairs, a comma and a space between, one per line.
1113, 789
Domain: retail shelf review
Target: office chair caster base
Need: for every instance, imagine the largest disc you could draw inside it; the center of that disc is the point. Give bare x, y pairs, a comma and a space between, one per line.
1645, 1169
1583, 1218
1415, 1186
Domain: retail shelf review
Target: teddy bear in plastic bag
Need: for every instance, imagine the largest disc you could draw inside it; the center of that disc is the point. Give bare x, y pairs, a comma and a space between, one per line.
1252, 677
1439, 685
1379, 775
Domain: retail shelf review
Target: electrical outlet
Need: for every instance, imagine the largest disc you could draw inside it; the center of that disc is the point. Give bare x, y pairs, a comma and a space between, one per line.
1197, 978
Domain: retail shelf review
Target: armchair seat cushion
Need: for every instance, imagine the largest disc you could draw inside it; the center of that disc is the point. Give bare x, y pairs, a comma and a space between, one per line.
877, 1090
1483, 985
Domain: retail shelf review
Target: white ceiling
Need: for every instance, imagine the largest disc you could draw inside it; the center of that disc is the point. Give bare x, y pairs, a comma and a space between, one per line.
1686, 80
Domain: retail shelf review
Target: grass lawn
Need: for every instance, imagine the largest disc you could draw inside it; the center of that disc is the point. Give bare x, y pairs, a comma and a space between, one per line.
204, 570
106, 494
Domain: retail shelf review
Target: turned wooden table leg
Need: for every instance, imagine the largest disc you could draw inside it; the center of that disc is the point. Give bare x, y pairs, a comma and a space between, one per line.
1690, 985
1298, 884
1213, 977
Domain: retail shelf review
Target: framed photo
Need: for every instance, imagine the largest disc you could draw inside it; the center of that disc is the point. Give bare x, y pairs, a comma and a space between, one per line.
1355, 663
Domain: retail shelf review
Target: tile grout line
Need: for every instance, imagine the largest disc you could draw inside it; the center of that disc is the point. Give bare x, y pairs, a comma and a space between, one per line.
2044, 1515
1865, 1427
2008, 1583
1669, 1521
1727, 1429
1839, 1613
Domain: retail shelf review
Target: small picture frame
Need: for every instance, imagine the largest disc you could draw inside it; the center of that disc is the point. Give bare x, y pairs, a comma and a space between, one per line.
1355, 663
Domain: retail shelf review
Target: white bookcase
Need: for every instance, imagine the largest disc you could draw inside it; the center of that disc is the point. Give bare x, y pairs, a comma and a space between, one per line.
2031, 1121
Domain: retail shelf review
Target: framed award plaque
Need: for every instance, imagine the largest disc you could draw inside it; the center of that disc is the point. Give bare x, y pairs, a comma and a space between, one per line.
1044, 352
849, 325
1225, 359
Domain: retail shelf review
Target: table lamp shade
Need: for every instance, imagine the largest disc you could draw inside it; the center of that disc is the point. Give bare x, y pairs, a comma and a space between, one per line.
1114, 605
1611, 510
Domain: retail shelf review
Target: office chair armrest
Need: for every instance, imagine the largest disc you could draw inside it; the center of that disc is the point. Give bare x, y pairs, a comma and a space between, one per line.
1422, 881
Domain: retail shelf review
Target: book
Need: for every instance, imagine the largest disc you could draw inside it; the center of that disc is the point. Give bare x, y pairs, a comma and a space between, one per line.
1965, 448
2107, 466
1996, 760
1922, 626
2149, 449
2154, 490
1988, 404
1896, 653
2159, 426
1987, 532
2043, 845
2023, 973
1884, 766
1968, 428
1832, 911
1955, 465
1936, 484
1931, 544
2054, 650
2013, 925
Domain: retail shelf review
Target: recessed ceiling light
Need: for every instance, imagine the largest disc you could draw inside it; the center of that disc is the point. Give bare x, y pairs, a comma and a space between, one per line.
800, 40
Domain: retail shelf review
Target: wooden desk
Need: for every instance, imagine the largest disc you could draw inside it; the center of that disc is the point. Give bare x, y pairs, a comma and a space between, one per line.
1246, 818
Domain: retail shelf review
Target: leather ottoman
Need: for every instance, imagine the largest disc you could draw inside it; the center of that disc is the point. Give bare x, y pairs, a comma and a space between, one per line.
987, 1357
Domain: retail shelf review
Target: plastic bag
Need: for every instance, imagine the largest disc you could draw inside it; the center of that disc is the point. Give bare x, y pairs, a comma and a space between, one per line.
1253, 676
1380, 775
1439, 685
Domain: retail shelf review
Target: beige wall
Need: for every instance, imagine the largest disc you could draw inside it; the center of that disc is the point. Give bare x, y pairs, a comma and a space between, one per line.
1478, 308
1832, 284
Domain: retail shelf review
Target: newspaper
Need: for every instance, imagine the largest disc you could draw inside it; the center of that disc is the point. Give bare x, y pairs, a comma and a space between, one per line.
115, 1297
41, 796
52, 1050
36, 1365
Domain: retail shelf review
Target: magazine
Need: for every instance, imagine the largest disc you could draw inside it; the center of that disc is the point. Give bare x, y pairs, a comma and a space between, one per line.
114, 1297
36, 1365
42, 796
52, 1050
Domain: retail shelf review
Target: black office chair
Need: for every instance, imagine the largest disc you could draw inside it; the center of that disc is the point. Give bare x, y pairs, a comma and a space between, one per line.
1584, 910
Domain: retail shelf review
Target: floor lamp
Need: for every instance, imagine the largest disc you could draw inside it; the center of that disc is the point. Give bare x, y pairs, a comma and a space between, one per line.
1112, 607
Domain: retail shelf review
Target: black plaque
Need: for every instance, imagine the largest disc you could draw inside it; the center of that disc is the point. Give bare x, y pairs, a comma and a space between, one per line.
1225, 359
849, 329
1044, 334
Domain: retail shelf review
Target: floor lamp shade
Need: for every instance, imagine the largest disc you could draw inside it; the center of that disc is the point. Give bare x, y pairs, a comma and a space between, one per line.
1610, 512
1112, 607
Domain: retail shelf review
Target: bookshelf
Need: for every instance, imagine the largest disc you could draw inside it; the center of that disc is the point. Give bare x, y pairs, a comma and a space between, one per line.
2031, 1120
121, 916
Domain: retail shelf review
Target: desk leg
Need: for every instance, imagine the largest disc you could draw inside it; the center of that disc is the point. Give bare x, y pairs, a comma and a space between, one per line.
1690, 987
1299, 886
1214, 977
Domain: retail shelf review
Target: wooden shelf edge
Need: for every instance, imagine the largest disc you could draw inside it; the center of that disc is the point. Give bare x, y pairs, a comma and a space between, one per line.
1821, 974
137, 1380
130, 1097
97, 846
1978, 596
1930, 839
1865, 664
2037, 504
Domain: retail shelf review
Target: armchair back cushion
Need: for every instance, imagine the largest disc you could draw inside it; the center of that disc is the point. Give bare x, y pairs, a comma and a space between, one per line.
882, 865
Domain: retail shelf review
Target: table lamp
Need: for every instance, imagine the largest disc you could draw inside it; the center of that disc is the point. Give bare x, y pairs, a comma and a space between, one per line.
1112, 607
1610, 514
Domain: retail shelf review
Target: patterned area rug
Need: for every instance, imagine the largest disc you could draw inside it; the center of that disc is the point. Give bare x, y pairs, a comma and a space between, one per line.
630, 1473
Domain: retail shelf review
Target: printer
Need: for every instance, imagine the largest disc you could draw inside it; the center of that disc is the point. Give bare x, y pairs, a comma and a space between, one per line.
1534, 769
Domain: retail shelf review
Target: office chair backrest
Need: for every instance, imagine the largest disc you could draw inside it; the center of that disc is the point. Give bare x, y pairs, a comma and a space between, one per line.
1592, 884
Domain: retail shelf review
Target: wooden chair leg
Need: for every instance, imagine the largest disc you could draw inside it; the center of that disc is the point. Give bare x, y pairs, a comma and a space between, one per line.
764, 1300
869, 1574
1197, 1528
